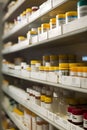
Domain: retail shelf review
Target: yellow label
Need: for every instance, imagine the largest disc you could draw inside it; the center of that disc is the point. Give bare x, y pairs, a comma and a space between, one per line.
48, 99
42, 98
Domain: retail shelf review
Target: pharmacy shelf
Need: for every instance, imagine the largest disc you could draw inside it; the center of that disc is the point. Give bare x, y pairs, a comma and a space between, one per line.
18, 48
53, 119
32, 107
18, 8
47, 83
13, 118
63, 39
62, 6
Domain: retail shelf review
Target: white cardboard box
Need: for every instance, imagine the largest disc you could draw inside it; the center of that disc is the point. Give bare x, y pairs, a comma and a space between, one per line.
34, 75
17, 72
83, 83
14, 47
75, 25
25, 73
23, 43
45, 7
52, 77
56, 2
60, 79
34, 39
34, 16
55, 32
75, 81
66, 80
42, 76
70, 80
43, 36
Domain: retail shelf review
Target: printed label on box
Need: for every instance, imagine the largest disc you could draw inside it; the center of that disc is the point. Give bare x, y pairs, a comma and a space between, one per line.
54, 32
43, 36
75, 81
66, 80
83, 82
34, 39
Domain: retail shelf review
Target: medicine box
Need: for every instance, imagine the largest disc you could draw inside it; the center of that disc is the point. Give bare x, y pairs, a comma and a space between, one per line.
43, 36
34, 16
66, 80
54, 32
45, 7
75, 25
34, 75
34, 39
56, 2
42, 76
75, 81
25, 73
83, 83
52, 77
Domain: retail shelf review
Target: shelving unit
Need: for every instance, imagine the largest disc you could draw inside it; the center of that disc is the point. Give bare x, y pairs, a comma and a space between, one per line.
77, 36
68, 42
43, 113
47, 83
64, 6
14, 119
18, 8
33, 107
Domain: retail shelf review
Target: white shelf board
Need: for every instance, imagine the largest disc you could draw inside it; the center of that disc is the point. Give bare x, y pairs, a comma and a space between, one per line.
32, 107
47, 83
15, 48
63, 6
75, 31
14, 119
15, 30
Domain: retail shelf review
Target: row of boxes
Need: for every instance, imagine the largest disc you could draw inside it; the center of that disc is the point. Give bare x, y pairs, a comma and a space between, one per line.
66, 28
79, 82
52, 77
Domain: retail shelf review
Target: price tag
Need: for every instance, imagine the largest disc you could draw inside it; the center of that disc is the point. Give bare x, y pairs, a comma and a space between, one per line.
50, 115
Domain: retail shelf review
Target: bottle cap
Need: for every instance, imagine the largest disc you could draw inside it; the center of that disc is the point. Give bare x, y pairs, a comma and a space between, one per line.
60, 16
82, 3
71, 13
